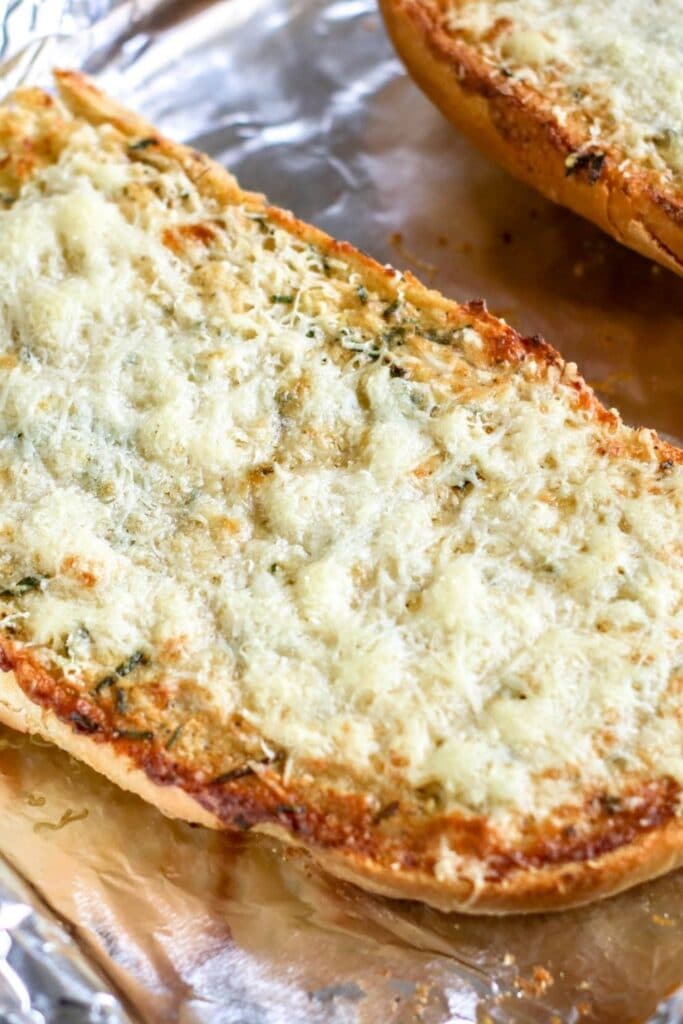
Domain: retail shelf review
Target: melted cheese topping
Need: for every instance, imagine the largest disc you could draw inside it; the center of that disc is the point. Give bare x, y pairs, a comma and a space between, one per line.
221, 451
617, 61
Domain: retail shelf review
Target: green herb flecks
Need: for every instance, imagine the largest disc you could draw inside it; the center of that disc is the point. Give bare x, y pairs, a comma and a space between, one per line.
591, 162
362, 294
285, 300
144, 735
449, 336
355, 343
124, 669
143, 143
127, 666
262, 223
83, 723
366, 347
173, 738
392, 308
121, 700
24, 585
394, 336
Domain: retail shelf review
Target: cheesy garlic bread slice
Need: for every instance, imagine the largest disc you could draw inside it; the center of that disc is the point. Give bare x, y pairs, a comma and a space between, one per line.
291, 543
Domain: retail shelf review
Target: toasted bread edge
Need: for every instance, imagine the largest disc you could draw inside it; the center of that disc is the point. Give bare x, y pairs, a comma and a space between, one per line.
553, 886
510, 124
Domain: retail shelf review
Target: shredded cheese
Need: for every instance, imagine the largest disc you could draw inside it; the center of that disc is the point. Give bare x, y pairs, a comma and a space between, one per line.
375, 547
616, 61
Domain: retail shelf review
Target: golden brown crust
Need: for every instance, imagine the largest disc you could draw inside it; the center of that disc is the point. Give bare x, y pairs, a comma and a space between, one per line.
655, 850
515, 126
393, 848
606, 847
20, 713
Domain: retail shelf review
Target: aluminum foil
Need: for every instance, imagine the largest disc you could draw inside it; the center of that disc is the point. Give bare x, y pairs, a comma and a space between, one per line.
43, 975
304, 99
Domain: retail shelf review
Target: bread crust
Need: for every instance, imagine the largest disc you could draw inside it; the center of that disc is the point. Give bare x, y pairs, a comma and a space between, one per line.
392, 850
338, 833
516, 126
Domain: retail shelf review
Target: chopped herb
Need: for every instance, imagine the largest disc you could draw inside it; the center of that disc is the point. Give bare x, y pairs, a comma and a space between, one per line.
327, 269
609, 804
352, 343
397, 371
28, 583
666, 466
311, 333
262, 223
385, 812
127, 666
447, 337
144, 143
134, 734
79, 636
285, 299
590, 162
124, 669
83, 723
173, 738
273, 568
362, 294
104, 684
394, 336
121, 701
360, 346
391, 308
23, 586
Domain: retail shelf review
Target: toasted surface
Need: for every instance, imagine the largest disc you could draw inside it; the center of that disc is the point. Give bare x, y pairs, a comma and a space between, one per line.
293, 543
582, 100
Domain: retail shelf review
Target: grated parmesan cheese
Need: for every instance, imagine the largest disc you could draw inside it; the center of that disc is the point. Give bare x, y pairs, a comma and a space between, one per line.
617, 61
375, 547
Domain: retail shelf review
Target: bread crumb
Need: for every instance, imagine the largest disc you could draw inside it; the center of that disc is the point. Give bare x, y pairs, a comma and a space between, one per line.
539, 983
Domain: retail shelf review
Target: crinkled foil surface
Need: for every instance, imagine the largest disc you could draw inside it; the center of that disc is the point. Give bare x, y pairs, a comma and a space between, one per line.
305, 100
